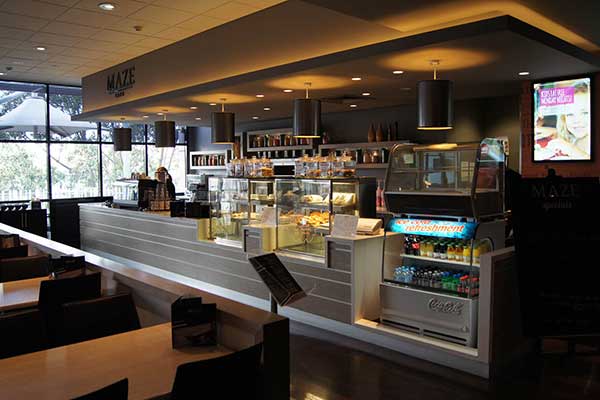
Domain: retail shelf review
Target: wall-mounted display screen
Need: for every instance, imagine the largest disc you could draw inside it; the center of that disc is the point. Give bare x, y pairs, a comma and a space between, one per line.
562, 120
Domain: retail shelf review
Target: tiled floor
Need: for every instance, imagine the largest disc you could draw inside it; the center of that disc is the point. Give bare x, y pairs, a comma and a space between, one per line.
326, 366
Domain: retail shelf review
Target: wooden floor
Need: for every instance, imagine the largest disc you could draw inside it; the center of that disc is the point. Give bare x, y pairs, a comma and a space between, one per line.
327, 366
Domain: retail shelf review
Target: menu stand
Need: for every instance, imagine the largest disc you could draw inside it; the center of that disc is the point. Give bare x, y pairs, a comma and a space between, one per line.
283, 288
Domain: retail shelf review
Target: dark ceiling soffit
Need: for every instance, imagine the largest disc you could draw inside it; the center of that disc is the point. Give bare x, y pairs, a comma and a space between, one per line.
473, 29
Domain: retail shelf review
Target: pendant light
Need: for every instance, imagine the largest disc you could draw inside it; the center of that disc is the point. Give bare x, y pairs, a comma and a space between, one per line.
435, 102
223, 126
121, 138
307, 117
164, 132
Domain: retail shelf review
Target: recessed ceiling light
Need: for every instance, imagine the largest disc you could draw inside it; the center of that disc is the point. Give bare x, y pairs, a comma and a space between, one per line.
18, 62
212, 104
287, 90
397, 72
267, 108
353, 106
357, 78
40, 48
366, 94
2, 73
106, 6
193, 108
160, 114
197, 118
255, 117
524, 73
145, 116
260, 96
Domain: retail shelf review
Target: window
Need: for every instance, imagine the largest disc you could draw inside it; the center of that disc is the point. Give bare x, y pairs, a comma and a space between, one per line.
172, 158
22, 111
74, 169
65, 102
24, 172
138, 134
120, 164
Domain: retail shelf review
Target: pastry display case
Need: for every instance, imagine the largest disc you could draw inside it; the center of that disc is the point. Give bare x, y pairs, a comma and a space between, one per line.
262, 194
449, 179
228, 199
306, 210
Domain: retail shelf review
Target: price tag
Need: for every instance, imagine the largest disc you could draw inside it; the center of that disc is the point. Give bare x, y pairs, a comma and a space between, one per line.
268, 216
344, 225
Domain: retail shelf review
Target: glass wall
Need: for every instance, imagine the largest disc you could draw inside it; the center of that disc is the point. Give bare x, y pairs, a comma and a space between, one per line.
46, 155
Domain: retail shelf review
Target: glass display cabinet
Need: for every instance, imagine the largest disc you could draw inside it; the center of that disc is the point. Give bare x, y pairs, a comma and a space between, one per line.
306, 209
262, 194
228, 198
448, 206
454, 179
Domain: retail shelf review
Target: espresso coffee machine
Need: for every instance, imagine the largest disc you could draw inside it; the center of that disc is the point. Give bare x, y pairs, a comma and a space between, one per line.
197, 186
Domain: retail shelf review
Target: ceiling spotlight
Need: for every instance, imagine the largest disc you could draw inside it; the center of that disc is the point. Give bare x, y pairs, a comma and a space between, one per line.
160, 113
267, 108
145, 116
212, 104
255, 117
356, 78
287, 90
2, 73
524, 73
260, 96
366, 94
40, 48
397, 72
193, 108
353, 106
106, 6
197, 118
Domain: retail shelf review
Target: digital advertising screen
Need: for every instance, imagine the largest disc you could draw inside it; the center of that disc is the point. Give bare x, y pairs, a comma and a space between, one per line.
562, 120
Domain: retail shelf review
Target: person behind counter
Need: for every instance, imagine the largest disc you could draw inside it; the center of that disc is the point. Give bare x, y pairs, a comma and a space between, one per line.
168, 181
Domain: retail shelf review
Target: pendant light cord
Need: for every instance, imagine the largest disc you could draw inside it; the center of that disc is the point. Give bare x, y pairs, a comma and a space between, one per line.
223, 104
307, 84
434, 64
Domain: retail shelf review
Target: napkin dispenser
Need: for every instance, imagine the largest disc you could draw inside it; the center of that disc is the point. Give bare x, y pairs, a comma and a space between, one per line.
368, 226
193, 323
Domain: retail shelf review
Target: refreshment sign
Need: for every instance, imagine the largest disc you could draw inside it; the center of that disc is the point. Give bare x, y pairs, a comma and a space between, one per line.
428, 227
562, 120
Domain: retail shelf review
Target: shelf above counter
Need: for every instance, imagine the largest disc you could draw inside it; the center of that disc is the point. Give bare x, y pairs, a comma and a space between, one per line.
364, 145
209, 167
439, 260
372, 166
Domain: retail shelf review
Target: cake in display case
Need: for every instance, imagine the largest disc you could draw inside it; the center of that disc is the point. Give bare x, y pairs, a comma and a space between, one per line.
465, 180
306, 209
228, 199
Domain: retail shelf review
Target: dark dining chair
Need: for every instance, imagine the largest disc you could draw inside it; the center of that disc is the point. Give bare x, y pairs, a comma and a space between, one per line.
14, 269
96, 318
234, 376
21, 333
116, 391
56, 292
12, 252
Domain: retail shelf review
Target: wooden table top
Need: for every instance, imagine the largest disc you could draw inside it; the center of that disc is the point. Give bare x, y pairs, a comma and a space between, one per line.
20, 294
145, 356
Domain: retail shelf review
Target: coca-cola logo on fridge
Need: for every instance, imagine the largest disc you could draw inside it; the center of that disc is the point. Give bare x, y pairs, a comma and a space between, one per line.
445, 306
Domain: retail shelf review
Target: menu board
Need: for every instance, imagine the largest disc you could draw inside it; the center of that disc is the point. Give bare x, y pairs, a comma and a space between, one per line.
282, 285
556, 234
562, 120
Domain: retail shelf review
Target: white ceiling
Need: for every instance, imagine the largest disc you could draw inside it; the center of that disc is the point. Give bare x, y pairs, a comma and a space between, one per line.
81, 39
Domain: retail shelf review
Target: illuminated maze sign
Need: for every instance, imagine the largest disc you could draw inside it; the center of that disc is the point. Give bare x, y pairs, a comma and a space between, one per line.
427, 227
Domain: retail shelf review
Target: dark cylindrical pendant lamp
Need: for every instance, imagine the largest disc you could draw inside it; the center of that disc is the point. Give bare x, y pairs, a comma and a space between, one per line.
164, 133
307, 118
122, 139
435, 104
223, 127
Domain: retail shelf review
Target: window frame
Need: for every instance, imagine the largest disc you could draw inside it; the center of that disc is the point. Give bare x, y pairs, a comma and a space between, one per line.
98, 142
